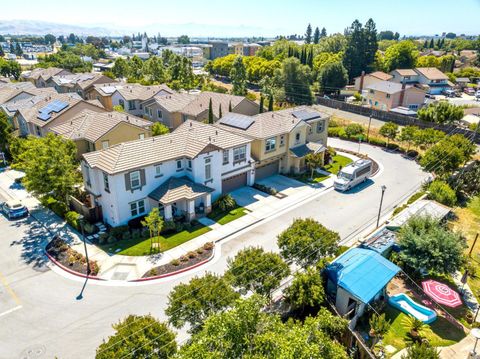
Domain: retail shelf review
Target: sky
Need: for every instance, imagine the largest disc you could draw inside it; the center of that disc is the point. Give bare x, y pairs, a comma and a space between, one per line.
251, 17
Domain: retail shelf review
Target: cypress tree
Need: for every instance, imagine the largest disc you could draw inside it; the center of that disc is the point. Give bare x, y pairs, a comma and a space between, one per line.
220, 111
308, 34
425, 44
260, 110
316, 36
323, 33
432, 44
210, 112
270, 103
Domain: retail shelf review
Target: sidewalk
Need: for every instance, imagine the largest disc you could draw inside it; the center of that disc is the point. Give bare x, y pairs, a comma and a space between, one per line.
119, 267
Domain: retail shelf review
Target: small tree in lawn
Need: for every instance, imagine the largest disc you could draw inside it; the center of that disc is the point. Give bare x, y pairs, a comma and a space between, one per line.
390, 131
313, 161
379, 326
407, 135
210, 112
154, 223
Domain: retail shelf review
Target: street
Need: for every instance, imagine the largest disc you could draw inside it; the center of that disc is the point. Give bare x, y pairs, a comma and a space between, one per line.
41, 314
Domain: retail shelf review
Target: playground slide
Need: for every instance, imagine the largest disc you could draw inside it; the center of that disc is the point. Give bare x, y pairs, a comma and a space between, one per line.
405, 304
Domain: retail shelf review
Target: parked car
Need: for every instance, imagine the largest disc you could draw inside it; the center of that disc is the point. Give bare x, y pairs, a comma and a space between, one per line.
427, 95
469, 91
14, 209
449, 93
353, 174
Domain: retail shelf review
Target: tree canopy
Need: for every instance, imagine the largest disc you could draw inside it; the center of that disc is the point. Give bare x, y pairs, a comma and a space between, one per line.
306, 290
441, 112
402, 55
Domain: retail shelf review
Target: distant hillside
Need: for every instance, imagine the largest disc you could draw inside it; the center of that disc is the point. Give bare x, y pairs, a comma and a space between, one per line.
28, 27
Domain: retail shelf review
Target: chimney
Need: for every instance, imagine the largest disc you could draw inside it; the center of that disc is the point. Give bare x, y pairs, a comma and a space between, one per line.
216, 133
127, 118
190, 124
402, 93
361, 81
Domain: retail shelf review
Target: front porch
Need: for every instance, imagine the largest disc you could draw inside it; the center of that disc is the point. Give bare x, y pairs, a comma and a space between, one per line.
297, 163
180, 198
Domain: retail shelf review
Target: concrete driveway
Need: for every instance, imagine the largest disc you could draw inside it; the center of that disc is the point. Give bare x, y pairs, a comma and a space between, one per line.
283, 184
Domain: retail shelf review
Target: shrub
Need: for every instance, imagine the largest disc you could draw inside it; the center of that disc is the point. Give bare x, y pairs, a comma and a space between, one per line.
269, 190
183, 259
136, 233
136, 223
377, 141
187, 226
90, 228
118, 232
102, 238
175, 262
126, 236
59, 208
168, 227
72, 219
208, 246
336, 132
94, 268
152, 272
178, 227
225, 203
191, 254
111, 239
354, 129
145, 233
200, 250
441, 192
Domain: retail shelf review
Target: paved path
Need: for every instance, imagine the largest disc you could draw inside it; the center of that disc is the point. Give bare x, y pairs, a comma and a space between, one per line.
52, 319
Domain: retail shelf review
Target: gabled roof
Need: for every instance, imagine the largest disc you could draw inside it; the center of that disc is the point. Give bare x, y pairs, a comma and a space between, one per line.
132, 91
431, 73
178, 188
381, 75
362, 272
269, 124
405, 72
9, 91
45, 74
386, 87
91, 125
83, 80
149, 151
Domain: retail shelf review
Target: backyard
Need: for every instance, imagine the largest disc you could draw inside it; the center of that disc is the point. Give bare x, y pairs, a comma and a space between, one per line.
141, 246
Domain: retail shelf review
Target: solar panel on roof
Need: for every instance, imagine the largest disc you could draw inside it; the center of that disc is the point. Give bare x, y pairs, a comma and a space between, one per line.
44, 116
305, 115
237, 121
56, 106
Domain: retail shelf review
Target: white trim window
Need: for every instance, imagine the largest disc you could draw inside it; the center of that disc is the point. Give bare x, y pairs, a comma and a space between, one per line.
87, 174
320, 126
179, 165
106, 183
208, 169
137, 208
239, 154
226, 154
159, 114
141, 136
135, 181
105, 144
270, 144
131, 104
189, 164
158, 170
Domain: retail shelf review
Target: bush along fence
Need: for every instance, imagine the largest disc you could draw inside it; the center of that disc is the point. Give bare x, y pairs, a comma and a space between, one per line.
399, 119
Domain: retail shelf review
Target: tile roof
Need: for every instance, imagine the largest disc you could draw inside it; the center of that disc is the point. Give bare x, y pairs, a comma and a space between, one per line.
381, 75
270, 124
43, 73
91, 125
406, 72
174, 102
10, 90
386, 87
178, 188
149, 151
132, 91
431, 73
83, 80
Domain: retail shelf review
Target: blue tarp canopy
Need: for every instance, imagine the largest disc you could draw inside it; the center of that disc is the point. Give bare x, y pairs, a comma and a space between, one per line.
362, 273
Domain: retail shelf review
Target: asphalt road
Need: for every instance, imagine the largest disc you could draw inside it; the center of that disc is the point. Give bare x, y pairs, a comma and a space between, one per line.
42, 317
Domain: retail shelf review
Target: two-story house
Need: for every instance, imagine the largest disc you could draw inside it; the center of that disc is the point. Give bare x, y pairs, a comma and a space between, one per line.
129, 96
40, 77
93, 130
12, 92
80, 83
365, 80
387, 95
431, 79
181, 173
174, 109
406, 76
281, 139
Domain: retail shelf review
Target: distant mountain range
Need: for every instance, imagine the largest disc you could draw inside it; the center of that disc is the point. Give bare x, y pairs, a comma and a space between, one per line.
29, 27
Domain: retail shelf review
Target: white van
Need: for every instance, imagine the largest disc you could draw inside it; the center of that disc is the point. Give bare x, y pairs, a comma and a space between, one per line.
353, 174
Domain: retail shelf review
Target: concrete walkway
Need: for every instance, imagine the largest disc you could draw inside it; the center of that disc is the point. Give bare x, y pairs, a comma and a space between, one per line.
119, 267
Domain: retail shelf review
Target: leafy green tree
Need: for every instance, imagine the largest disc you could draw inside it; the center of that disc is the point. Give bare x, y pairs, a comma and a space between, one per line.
306, 290
325, 58
120, 68
468, 182
390, 131
354, 129
332, 77
371, 44
441, 192
18, 49
295, 81
314, 161
323, 34
427, 137
441, 112
308, 34
140, 337
210, 112
258, 271
155, 70
402, 55
427, 245
50, 166
238, 75
135, 66
2, 53
6, 130
407, 135
306, 242
154, 222
316, 36
50, 39
194, 302
421, 351
184, 39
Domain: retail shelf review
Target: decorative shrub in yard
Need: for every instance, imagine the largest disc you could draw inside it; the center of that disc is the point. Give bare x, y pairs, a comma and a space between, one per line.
268, 190
225, 203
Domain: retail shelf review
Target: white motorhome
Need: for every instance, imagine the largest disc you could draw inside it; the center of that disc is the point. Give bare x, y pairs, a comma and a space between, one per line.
353, 174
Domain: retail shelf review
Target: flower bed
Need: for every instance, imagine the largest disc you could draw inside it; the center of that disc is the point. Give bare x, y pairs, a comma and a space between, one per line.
70, 258
189, 260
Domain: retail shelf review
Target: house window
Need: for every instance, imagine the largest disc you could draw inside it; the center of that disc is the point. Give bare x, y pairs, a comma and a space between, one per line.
179, 165
225, 156
131, 104
239, 154
137, 208
320, 126
208, 169
388, 95
140, 106
105, 144
146, 111
87, 175
297, 137
121, 103
270, 144
184, 118
135, 180
106, 184
90, 146
158, 170
189, 164
159, 114
282, 140
39, 132
141, 136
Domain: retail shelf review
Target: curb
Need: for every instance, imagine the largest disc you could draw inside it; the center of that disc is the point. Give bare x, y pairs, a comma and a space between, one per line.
61, 266
176, 272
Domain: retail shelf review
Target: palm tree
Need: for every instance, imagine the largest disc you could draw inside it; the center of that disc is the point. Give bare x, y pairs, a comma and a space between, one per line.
416, 326
379, 326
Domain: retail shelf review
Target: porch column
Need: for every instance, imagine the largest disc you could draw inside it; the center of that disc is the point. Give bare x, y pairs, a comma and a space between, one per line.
190, 210
167, 210
208, 203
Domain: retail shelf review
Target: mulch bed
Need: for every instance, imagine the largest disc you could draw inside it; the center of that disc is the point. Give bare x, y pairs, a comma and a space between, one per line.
169, 267
70, 258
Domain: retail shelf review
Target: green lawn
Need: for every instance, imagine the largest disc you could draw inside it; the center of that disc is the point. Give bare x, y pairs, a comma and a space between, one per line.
226, 217
338, 160
141, 247
440, 333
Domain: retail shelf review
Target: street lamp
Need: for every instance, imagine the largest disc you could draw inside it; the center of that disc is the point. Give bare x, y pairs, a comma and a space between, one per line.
381, 202
81, 220
476, 334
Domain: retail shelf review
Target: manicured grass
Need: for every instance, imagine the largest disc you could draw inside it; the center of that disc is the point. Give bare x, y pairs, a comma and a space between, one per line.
338, 160
226, 217
440, 333
141, 247
305, 177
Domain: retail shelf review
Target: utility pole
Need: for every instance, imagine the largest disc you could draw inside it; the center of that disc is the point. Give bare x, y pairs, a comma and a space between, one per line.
473, 245
380, 207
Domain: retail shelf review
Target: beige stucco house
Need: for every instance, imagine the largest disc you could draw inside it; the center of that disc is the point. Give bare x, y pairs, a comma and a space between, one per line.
365, 80
387, 95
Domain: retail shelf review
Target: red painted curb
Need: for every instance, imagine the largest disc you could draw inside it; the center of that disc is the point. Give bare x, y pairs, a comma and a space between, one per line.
60, 265
176, 272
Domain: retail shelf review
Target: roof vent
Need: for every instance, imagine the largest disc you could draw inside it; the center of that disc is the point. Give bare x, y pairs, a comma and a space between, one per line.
209, 139
127, 118
191, 124
272, 115
216, 133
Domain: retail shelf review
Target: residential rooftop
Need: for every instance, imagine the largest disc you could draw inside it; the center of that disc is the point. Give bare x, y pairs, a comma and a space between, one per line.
132, 91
